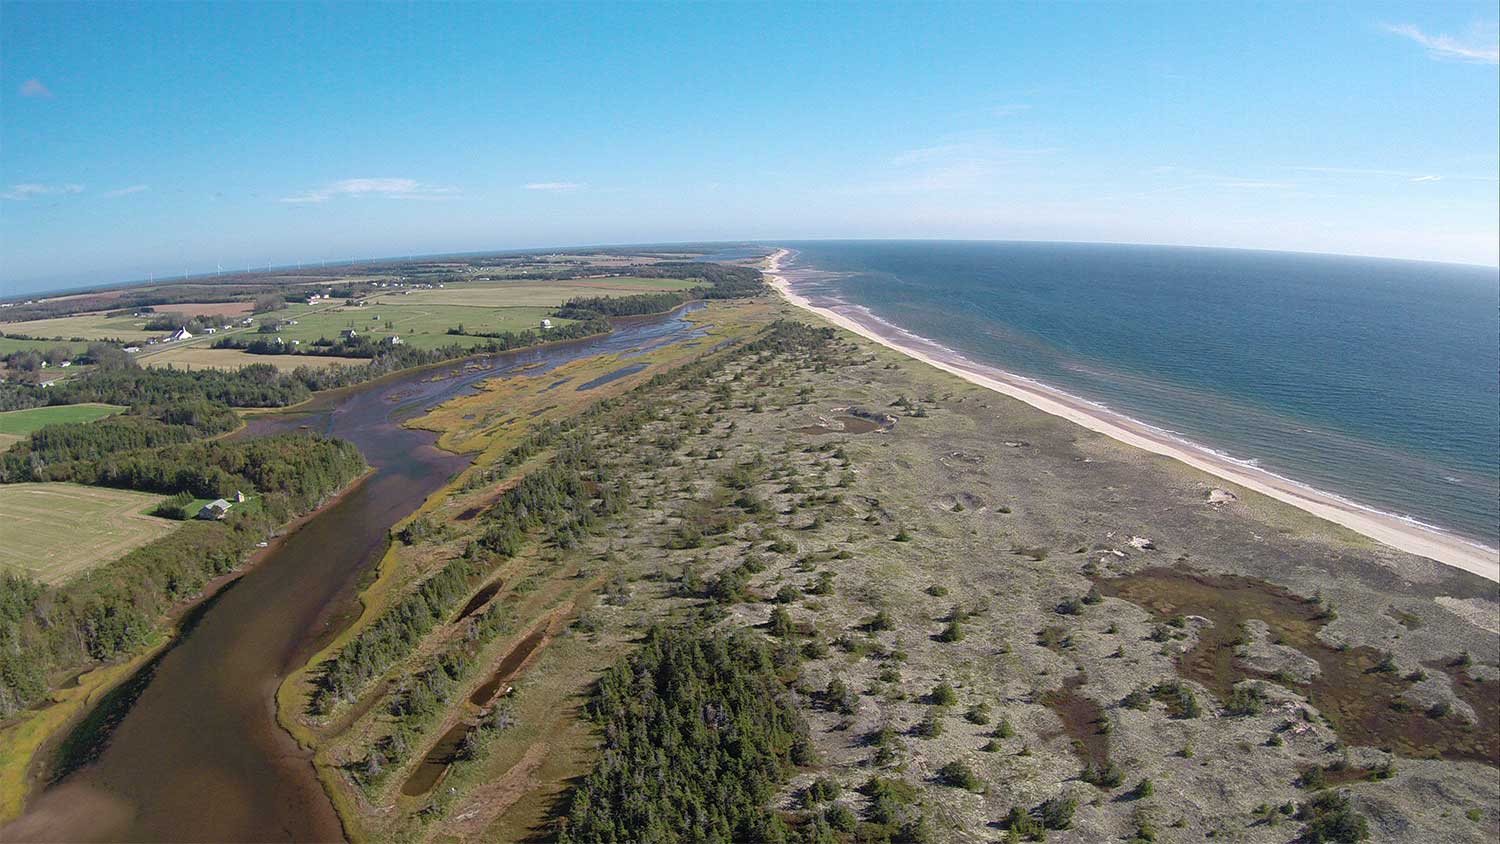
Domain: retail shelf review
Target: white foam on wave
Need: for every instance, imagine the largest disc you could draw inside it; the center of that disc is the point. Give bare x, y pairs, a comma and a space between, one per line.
861, 313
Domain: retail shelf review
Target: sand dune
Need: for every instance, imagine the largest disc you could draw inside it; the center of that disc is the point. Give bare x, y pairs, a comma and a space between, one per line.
1382, 527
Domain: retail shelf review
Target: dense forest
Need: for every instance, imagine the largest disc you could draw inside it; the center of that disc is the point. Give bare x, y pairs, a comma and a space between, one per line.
592, 307
215, 469
251, 386
65, 452
699, 730
114, 609
720, 282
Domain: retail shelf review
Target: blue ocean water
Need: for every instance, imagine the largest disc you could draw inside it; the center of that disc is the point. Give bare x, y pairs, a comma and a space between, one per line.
1373, 379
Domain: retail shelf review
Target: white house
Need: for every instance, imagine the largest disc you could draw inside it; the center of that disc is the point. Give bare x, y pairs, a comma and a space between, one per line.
210, 330
180, 334
546, 324
393, 340
130, 350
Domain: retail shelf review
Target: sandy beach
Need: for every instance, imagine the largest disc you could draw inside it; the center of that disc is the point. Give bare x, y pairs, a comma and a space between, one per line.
1391, 530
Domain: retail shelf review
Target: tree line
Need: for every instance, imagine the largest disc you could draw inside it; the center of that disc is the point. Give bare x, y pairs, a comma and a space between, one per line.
114, 609
719, 282
73, 451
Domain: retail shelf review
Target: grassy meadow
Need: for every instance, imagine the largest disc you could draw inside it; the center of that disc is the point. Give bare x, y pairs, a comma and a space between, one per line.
55, 531
537, 293
87, 326
201, 356
16, 344
15, 424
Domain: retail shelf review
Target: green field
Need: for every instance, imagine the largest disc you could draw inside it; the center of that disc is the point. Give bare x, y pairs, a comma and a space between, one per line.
87, 326
535, 293
54, 532
12, 344
131, 329
424, 326
19, 423
201, 356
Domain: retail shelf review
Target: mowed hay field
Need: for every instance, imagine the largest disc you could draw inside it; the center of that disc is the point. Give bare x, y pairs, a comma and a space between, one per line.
502, 294
424, 326
203, 357
15, 424
207, 308
54, 531
87, 326
17, 344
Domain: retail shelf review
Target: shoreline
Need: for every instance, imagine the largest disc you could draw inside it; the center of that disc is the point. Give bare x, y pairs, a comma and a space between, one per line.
1385, 528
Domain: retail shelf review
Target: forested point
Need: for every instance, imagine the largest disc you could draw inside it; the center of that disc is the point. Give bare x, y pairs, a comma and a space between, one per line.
720, 282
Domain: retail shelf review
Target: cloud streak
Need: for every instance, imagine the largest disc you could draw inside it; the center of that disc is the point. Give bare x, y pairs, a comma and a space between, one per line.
31, 190
552, 186
35, 88
1447, 47
1409, 175
382, 188
127, 191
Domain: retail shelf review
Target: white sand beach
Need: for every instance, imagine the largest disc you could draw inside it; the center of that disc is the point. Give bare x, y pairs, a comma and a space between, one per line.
1385, 528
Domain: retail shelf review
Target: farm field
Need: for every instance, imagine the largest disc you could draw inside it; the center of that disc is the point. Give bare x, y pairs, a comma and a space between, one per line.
55, 531
424, 326
536, 293
96, 326
203, 357
15, 344
205, 308
15, 424
99, 326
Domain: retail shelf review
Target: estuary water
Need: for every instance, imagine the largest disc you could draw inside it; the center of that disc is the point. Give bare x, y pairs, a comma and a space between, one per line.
196, 753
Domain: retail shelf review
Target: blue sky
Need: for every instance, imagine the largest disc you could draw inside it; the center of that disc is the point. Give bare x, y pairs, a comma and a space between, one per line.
164, 138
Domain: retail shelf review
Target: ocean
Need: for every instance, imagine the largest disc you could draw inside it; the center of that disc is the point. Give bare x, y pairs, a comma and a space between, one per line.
1376, 380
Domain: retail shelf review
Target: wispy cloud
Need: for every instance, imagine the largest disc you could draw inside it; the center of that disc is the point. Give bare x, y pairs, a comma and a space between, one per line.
1188, 178
1478, 49
383, 188
954, 166
1408, 175
35, 88
552, 186
127, 191
31, 190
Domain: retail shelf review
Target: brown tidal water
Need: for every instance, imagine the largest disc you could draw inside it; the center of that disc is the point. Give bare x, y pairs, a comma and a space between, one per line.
197, 755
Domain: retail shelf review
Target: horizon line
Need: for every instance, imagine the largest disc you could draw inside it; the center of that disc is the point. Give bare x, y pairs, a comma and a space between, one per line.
344, 262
